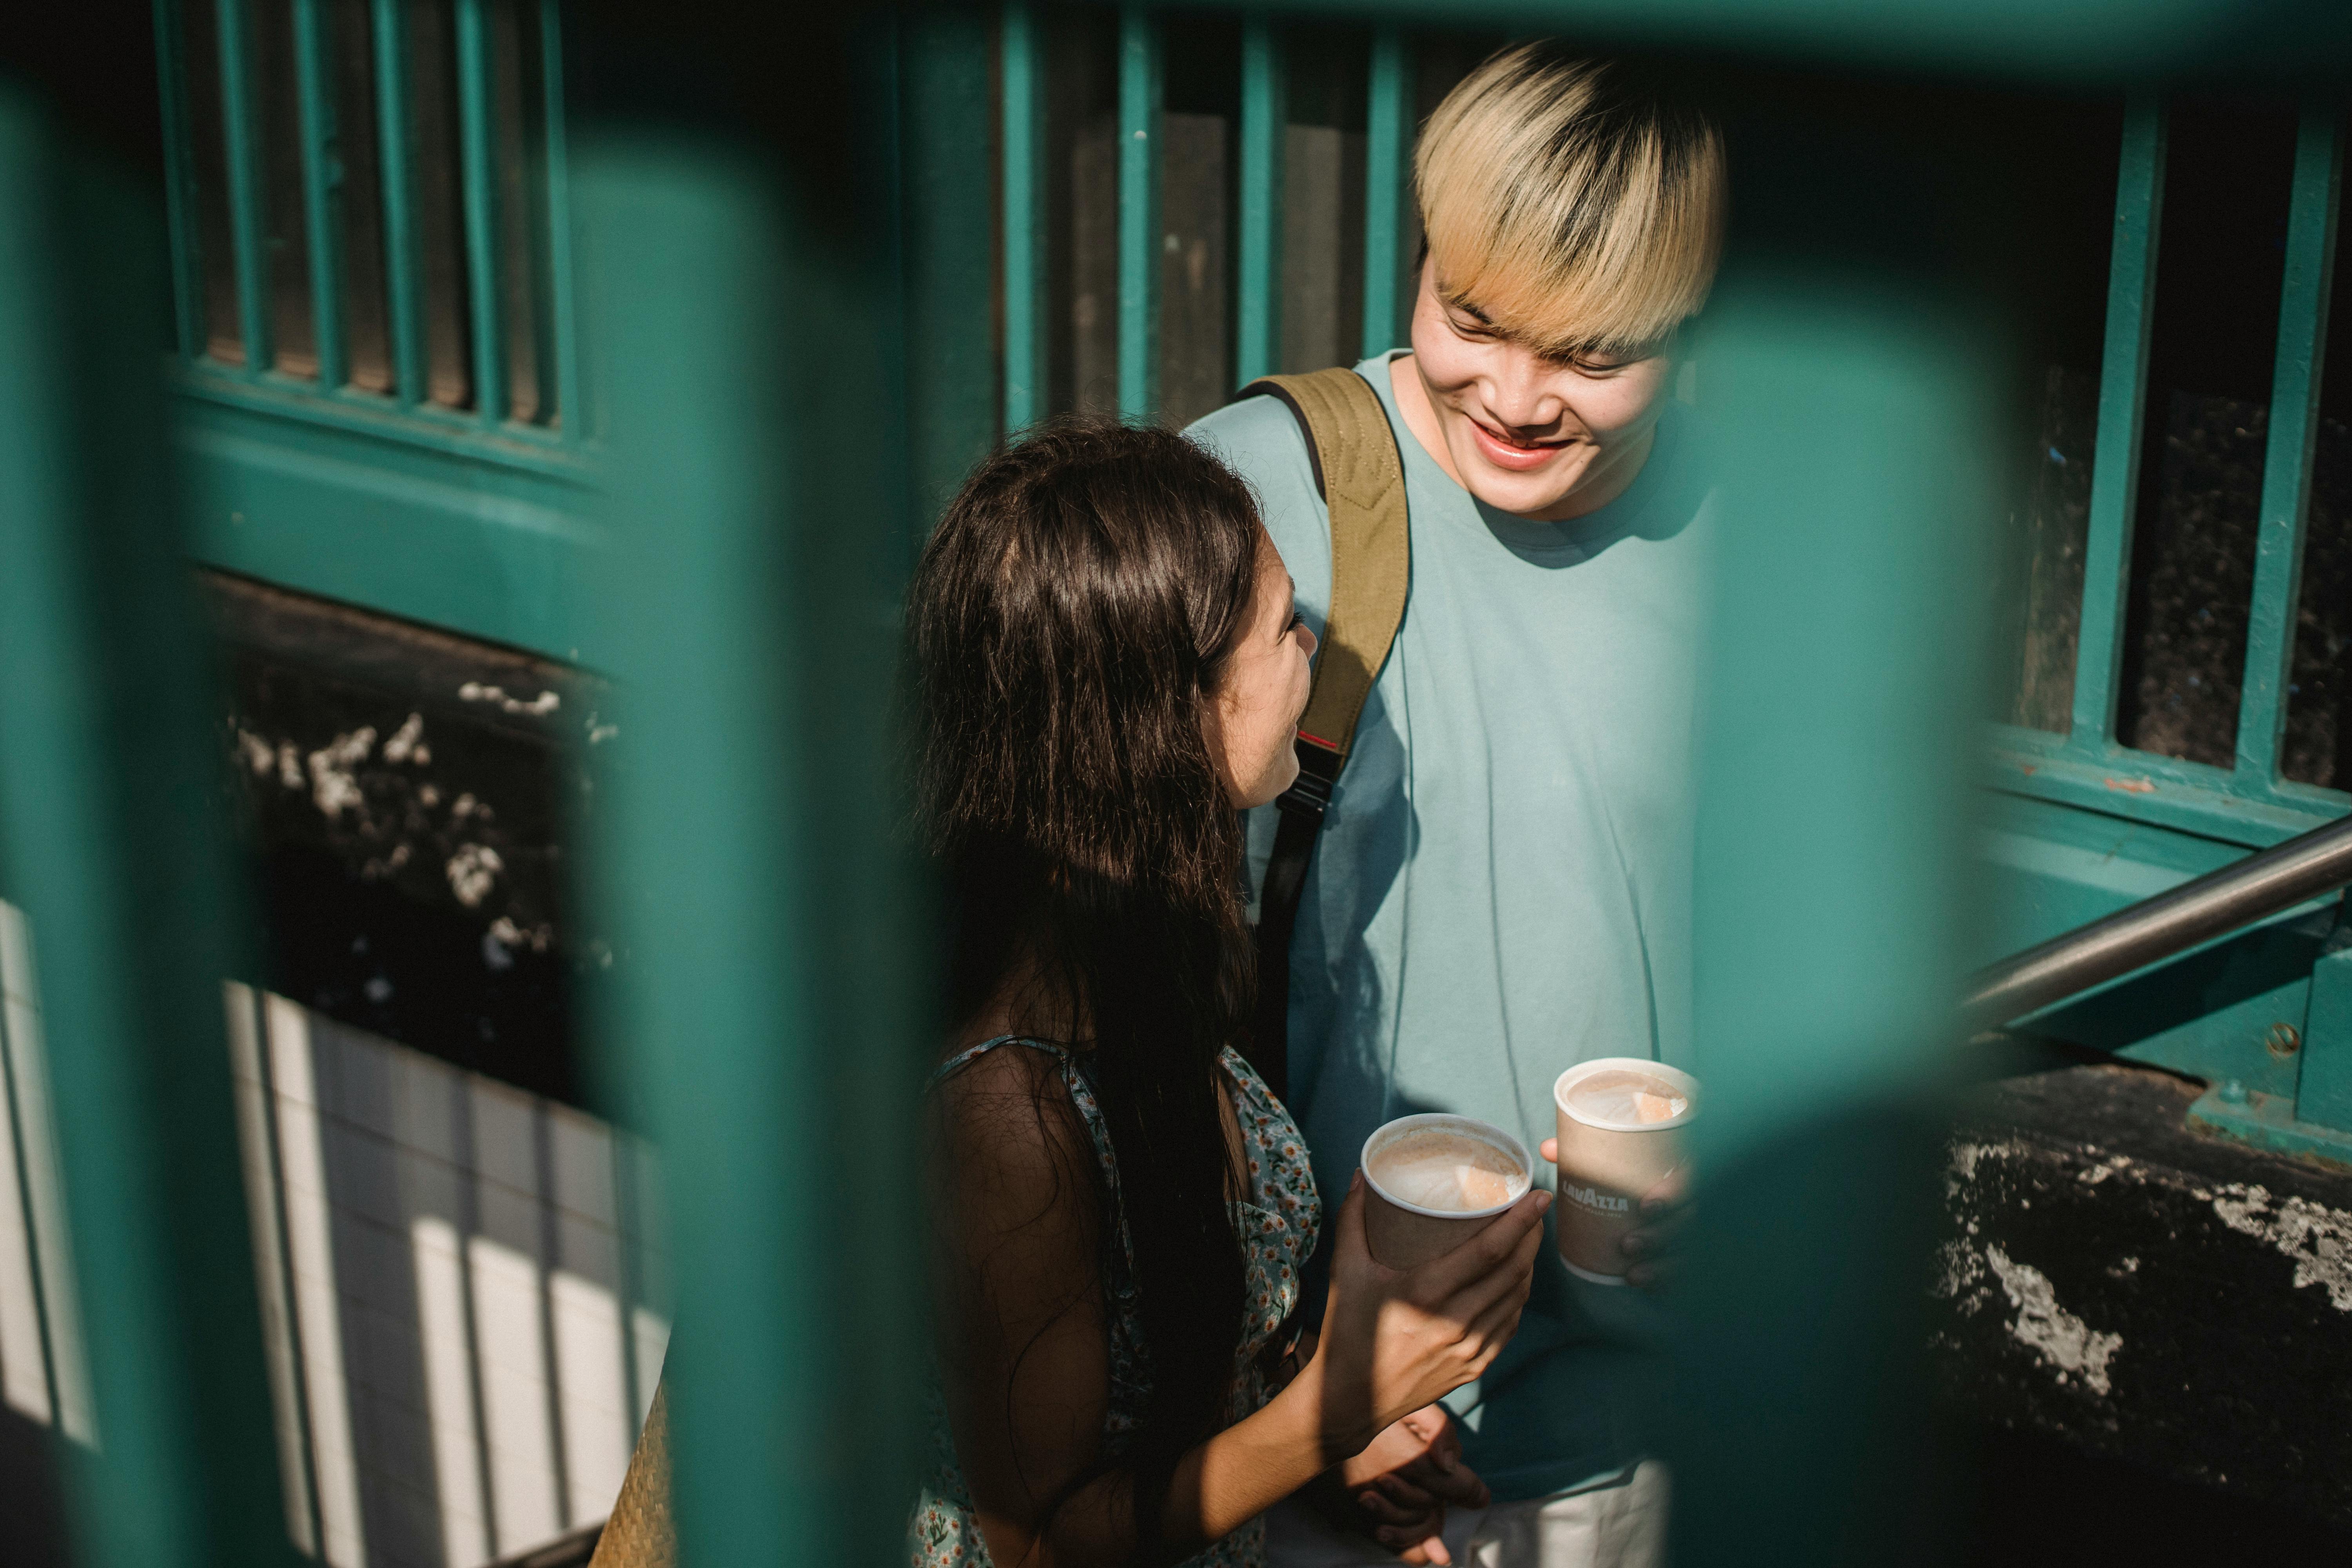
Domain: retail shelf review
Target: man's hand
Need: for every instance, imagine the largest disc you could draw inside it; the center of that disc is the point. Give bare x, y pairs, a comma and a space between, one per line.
1397, 1487
1666, 1207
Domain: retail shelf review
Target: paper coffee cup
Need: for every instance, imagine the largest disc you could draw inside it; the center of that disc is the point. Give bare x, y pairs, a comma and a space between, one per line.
1607, 1164
1404, 1234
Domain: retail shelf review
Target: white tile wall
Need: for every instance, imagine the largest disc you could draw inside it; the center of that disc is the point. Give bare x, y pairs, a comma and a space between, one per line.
480, 1279
42, 1366
463, 1312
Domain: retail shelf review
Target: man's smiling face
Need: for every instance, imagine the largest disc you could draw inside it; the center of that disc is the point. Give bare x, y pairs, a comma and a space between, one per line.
1537, 437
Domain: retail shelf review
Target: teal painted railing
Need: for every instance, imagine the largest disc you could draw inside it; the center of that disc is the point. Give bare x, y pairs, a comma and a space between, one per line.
429, 548
489, 234
2249, 803
771, 994
454, 503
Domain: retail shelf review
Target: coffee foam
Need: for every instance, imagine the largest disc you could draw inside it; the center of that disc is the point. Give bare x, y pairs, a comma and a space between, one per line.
1452, 1173
1622, 1098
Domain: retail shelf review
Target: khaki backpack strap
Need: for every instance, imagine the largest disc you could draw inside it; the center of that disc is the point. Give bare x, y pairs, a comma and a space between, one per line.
640, 1533
1361, 475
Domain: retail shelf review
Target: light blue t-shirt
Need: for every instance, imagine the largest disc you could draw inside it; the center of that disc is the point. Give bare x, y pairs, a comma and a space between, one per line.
1502, 888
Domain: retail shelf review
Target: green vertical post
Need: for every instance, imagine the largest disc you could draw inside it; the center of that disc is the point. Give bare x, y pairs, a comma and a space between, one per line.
1022, 87
2323, 1090
2293, 433
1265, 111
404, 243
248, 198
477, 162
562, 301
945, 104
1388, 130
322, 184
1831, 915
1140, 84
172, 66
764, 1012
2123, 392
108, 802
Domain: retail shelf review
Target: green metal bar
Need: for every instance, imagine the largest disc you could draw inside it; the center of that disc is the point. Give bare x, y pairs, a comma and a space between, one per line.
1141, 83
478, 161
108, 797
1023, 71
742, 835
1831, 912
248, 214
563, 304
2293, 433
946, 107
322, 184
2123, 390
1388, 130
1257, 350
403, 244
179, 177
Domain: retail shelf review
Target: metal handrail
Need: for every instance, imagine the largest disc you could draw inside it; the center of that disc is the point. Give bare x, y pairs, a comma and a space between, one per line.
2213, 905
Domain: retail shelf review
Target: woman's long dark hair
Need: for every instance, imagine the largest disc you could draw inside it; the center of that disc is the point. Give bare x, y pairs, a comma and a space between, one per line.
1071, 614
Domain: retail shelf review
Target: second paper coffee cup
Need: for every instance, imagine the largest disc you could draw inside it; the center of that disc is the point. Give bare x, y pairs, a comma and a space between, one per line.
1435, 1179
1624, 1124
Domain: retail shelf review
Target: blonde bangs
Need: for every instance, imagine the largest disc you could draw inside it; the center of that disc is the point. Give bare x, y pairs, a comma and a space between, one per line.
1579, 218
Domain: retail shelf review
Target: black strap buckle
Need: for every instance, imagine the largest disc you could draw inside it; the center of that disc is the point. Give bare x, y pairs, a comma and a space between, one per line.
1318, 770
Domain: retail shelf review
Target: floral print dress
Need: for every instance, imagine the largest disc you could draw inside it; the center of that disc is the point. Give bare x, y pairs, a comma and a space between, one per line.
1276, 1225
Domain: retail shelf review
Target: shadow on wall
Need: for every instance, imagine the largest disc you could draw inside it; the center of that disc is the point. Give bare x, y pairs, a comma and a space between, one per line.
464, 1302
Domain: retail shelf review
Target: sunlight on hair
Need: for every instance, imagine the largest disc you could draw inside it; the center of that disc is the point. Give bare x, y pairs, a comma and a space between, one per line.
1579, 211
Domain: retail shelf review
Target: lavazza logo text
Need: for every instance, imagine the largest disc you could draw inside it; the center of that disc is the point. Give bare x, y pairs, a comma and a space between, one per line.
1587, 1197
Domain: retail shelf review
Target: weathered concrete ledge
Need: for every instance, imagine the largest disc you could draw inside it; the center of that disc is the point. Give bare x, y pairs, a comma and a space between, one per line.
2150, 1293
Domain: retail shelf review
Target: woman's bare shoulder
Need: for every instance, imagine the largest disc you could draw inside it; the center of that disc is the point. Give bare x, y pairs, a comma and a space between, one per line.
1011, 1140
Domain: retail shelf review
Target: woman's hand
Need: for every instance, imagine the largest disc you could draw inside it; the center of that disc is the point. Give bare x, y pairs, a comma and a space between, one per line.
1396, 1339
1400, 1488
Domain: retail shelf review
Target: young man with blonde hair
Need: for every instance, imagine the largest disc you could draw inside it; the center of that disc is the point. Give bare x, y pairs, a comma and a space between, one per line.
1501, 885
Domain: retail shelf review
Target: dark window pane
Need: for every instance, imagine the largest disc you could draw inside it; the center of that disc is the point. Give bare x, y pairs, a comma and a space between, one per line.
277, 96
1438, 62
2319, 692
1197, 192
2042, 560
1082, 178
224, 327
367, 331
518, 98
2219, 268
1323, 198
440, 202
2059, 163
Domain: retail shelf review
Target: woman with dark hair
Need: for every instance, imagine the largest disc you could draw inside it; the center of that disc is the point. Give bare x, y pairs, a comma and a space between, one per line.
1109, 668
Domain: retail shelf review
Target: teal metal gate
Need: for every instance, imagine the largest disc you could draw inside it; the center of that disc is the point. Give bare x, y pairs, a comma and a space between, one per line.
670, 495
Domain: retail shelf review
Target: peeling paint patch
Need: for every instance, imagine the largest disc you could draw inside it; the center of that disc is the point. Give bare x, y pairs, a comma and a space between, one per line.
2319, 1238
333, 784
473, 872
1965, 1157
2114, 1165
407, 743
2060, 1338
1958, 1268
474, 691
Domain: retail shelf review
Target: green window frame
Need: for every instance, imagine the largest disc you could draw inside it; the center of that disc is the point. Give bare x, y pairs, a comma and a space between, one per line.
2248, 803
465, 518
